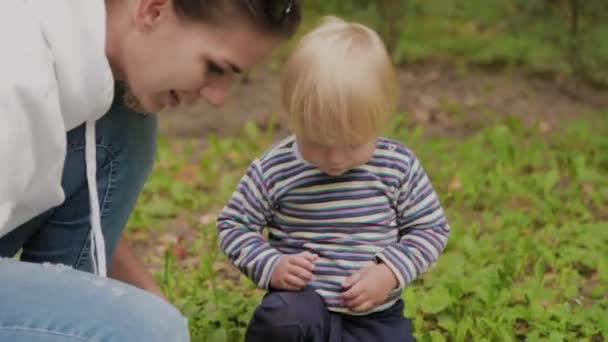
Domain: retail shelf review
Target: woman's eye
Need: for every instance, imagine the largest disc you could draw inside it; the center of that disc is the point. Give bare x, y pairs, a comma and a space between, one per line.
214, 69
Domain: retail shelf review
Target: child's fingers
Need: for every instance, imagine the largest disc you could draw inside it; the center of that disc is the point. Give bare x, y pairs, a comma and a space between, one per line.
356, 301
294, 281
350, 281
365, 306
299, 260
288, 287
352, 293
300, 272
308, 256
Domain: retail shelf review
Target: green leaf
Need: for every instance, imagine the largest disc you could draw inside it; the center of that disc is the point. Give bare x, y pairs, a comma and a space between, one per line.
447, 322
464, 328
550, 180
436, 300
219, 335
436, 336
251, 130
555, 336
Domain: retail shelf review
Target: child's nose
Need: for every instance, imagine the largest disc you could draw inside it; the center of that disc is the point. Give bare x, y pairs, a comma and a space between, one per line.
334, 156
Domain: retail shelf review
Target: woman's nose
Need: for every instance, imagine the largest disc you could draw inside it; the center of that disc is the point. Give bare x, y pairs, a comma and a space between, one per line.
216, 93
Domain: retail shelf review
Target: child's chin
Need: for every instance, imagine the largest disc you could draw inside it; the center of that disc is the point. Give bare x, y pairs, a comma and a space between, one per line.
334, 173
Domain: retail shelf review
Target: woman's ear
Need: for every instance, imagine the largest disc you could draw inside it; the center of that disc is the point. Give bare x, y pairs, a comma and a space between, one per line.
148, 13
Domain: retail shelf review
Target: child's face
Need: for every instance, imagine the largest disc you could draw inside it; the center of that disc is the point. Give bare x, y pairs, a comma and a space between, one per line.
335, 160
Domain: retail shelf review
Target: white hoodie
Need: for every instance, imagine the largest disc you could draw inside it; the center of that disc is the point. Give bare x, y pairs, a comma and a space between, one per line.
54, 76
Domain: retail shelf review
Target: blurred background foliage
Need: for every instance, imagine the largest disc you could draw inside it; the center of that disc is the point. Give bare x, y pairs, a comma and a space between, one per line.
565, 37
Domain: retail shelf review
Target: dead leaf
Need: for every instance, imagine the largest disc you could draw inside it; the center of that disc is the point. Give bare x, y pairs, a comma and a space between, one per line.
520, 203
428, 102
588, 188
136, 236
168, 239
207, 219
470, 100
525, 232
189, 174
234, 156
179, 251
544, 127
190, 262
226, 270
421, 114
602, 213
432, 76
454, 184
440, 117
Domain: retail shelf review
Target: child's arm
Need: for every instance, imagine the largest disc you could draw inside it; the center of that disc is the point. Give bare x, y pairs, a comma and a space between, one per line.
423, 228
239, 227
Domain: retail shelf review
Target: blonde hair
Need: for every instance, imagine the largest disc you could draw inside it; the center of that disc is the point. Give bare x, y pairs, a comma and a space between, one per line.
339, 86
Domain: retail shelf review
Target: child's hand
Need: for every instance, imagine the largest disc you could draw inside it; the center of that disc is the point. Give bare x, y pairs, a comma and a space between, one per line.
293, 271
368, 287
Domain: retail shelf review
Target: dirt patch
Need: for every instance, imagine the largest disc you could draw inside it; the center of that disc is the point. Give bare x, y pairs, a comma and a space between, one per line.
446, 99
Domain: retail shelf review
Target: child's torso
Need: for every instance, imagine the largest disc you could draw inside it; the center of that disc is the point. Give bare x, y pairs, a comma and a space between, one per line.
345, 220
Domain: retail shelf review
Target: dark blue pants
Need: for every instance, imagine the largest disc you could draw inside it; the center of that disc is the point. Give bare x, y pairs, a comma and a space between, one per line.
302, 316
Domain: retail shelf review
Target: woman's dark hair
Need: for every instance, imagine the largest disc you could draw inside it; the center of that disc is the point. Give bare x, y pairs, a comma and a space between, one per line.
278, 17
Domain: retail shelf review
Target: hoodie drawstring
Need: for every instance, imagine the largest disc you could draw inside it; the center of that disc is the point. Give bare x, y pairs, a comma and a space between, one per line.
98, 249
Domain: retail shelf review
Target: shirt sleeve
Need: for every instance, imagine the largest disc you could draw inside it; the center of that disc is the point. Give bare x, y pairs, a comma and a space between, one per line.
423, 228
16, 160
26, 94
240, 224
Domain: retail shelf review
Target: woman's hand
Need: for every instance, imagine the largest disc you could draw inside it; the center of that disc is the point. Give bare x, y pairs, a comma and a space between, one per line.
127, 268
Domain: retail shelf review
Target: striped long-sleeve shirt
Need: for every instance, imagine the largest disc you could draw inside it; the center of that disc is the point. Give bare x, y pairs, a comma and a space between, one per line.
383, 211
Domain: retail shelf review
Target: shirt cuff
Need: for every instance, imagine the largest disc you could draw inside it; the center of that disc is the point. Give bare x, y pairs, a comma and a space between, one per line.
399, 264
271, 264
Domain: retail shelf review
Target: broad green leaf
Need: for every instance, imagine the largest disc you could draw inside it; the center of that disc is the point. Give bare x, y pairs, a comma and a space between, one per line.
447, 322
436, 300
219, 335
436, 336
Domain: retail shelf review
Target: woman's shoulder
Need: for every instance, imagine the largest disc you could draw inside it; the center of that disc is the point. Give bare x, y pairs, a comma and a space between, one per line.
26, 61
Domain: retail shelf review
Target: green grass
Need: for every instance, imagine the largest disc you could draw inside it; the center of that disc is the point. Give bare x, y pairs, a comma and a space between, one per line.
526, 259
536, 35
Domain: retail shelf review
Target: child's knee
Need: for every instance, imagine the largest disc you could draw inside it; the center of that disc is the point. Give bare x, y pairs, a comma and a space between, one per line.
286, 316
288, 307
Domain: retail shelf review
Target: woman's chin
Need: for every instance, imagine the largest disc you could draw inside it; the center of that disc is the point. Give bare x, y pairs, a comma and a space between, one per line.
140, 106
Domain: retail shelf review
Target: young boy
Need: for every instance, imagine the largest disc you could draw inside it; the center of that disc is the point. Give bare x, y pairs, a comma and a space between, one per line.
352, 216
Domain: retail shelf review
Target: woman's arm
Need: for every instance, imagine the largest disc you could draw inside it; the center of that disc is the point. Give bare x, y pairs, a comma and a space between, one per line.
127, 267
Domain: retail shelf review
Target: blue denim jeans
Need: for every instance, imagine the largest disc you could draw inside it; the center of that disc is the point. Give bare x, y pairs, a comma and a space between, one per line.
50, 303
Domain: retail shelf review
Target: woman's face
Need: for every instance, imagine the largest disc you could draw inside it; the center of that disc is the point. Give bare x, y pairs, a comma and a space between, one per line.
169, 61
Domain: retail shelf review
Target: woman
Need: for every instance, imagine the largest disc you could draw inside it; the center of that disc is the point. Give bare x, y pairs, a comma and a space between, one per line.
65, 198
